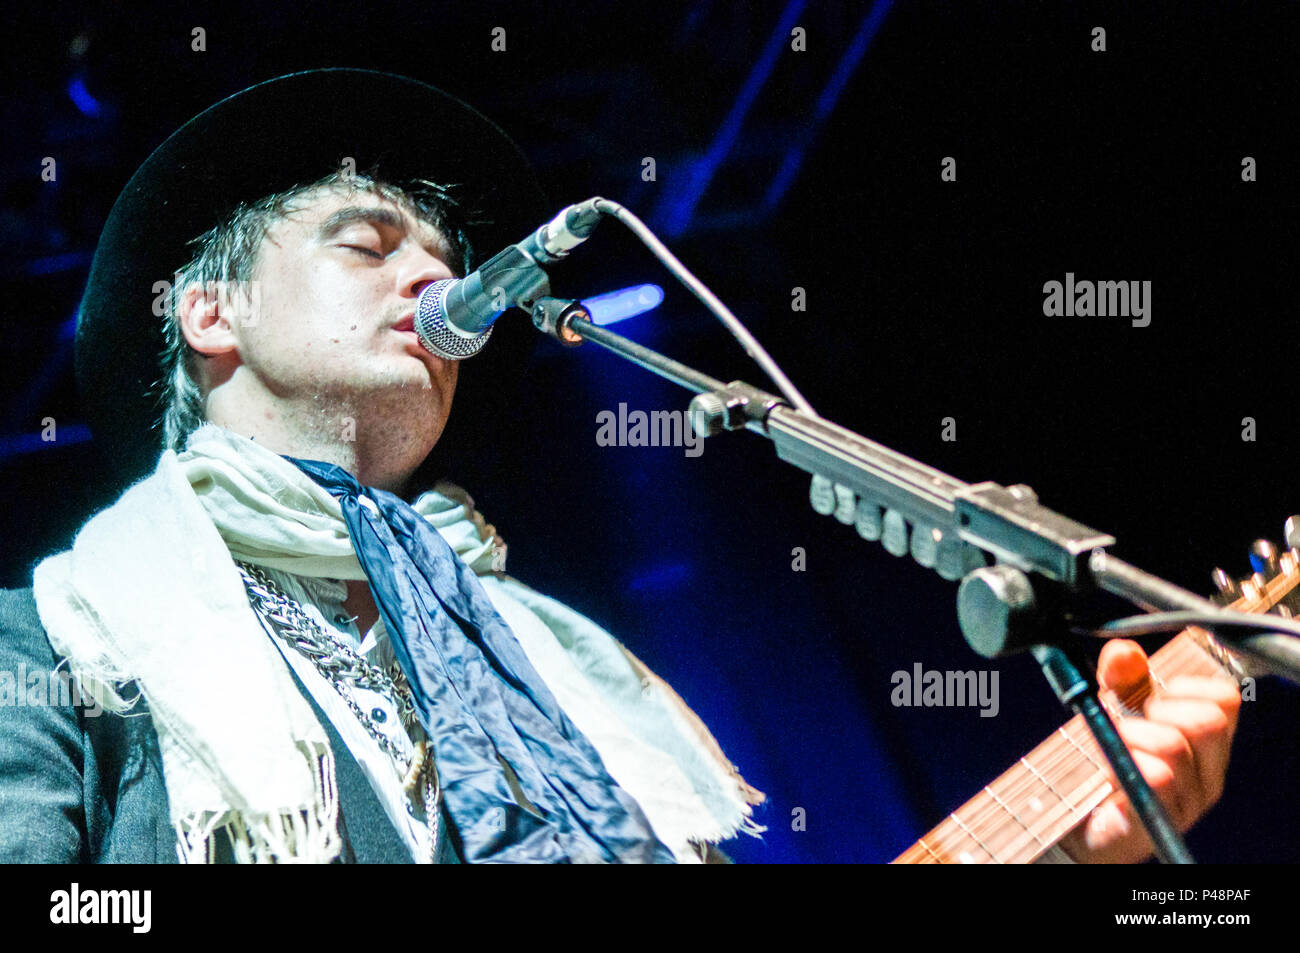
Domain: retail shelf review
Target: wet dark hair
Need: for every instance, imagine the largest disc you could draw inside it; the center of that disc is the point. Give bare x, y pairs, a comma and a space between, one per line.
227, 254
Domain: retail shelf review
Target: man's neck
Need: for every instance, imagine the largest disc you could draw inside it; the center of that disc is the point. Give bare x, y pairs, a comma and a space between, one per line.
385, 459
361, 603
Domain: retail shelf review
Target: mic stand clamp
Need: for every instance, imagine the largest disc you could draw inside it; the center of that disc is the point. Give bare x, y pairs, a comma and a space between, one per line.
1000, 615
551, 316
733, 406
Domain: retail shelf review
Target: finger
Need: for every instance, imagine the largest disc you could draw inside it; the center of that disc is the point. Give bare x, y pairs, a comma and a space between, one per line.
1168, 763
1224, 692
1122, 666
1208, 732
1107, 826
1113, 834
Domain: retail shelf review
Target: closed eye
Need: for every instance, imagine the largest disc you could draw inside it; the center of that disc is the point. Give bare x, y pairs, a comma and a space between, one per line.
365, 251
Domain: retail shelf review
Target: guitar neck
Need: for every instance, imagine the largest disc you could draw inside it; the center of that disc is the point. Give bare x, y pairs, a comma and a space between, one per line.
1040, 799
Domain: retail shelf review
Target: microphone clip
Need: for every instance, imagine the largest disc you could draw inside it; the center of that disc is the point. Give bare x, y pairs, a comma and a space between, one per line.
551, 316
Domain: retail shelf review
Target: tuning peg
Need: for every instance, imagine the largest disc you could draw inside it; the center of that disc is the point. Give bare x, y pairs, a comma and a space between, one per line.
1263, 558
1256, 587
1291, 532
1250, 588
1229, 591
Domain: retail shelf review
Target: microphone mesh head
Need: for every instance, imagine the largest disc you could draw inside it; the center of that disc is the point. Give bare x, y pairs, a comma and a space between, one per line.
433, 330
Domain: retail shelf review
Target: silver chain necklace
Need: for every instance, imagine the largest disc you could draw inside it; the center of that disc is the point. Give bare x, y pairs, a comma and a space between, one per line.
339, 663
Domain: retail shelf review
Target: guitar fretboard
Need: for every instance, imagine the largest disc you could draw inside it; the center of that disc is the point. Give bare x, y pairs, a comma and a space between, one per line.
1041, 798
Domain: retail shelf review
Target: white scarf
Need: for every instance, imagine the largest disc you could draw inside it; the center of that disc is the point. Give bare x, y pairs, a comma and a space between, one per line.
150, 593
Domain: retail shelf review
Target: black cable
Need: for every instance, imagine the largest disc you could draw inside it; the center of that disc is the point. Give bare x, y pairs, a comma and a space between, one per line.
1177, 621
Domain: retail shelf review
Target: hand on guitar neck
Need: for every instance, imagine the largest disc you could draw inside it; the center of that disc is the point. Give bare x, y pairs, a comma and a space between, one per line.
1181, 746
1063, 793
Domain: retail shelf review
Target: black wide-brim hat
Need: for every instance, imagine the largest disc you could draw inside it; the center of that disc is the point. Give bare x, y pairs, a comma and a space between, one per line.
285, 132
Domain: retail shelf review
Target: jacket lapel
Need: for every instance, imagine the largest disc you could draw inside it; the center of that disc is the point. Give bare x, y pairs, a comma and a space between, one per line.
369, 836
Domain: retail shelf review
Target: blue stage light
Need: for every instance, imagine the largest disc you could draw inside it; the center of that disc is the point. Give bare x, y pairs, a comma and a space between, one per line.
825, 104
81, 98
56, 264
677, 205
15, 445
624, 303
661, 579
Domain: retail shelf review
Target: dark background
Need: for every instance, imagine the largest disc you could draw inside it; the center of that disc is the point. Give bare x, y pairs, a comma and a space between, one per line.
777, 169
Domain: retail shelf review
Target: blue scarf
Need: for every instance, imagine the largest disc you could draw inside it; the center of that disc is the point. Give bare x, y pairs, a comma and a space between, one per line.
482, 703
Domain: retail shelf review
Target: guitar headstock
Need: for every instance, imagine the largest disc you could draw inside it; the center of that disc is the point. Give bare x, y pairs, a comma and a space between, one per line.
1273, 587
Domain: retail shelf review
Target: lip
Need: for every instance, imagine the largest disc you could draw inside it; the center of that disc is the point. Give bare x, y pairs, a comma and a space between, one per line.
406, 328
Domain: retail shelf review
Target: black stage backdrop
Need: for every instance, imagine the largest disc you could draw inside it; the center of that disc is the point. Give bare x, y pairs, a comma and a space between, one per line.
788, 160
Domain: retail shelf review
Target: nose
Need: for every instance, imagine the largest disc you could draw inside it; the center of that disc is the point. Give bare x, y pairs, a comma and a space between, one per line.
419, 269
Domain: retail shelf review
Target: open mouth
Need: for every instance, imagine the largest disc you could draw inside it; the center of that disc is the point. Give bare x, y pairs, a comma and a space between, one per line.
406, 324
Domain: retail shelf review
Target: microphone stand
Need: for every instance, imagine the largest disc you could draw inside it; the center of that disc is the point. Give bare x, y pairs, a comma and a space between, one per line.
949, 526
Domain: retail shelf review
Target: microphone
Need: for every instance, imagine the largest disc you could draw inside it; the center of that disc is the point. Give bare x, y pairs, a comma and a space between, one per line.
454, 317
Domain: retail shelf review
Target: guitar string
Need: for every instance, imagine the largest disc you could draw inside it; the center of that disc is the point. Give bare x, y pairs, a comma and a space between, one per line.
1182, 649
1171, 661
1026, 836
1015, 788
1051, 824
1179, 650
1165, 664
1044, 772
1058, 754
1053, 755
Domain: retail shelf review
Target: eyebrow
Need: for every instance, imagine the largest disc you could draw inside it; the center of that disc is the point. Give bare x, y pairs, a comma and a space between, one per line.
442, 247
352, 214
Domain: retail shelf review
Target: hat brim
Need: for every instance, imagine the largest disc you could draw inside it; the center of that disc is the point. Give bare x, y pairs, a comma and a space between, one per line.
282, 133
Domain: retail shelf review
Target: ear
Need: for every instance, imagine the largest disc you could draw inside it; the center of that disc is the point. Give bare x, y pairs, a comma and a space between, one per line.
208, 316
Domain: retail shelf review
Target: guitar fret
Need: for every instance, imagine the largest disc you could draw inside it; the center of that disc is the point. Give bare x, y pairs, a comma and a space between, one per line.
1004, 833
993, 794
929, 851
1057, 774
1091, 789
988, 821
1052, 821
1066, 786
1072, 802
1082, 750
971, 835
999, 836
1050, 786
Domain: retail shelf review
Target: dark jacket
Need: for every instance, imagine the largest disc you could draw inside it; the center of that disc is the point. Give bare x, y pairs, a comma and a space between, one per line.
76, 788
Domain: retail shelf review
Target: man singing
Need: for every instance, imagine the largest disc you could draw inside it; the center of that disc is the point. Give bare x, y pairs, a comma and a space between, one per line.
303, 653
